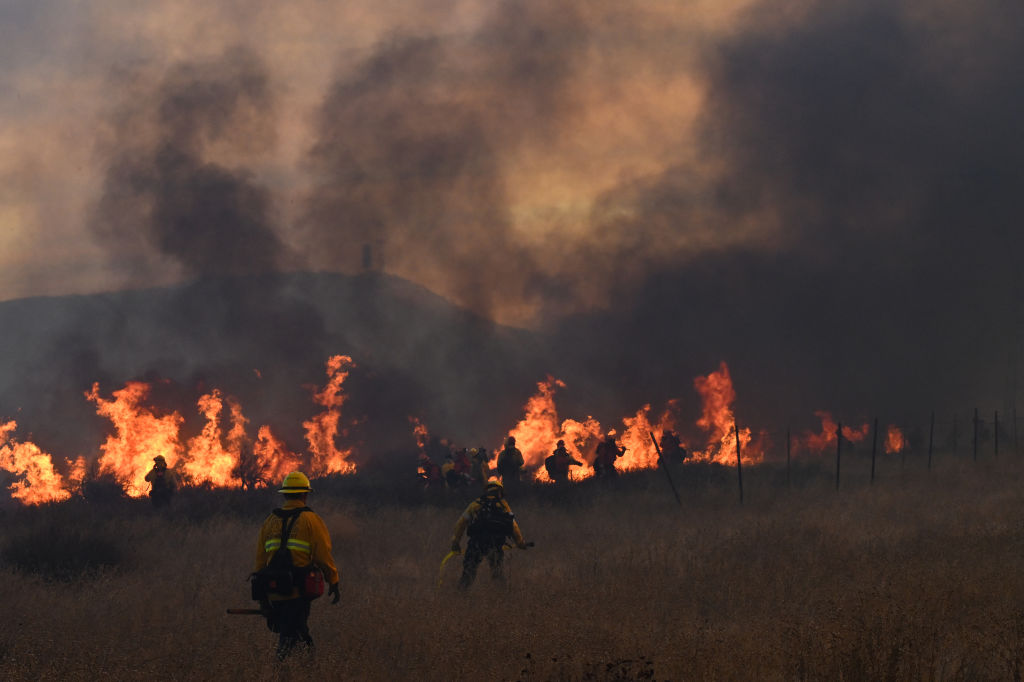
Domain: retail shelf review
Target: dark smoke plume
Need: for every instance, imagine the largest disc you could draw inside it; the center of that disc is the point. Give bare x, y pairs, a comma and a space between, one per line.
165, 188
875, 148
412, 145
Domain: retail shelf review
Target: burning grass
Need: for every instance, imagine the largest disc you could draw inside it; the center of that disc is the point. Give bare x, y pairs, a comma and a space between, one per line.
916, 577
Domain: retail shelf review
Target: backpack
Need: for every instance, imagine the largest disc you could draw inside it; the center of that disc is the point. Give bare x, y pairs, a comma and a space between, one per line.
492, 521
280, 577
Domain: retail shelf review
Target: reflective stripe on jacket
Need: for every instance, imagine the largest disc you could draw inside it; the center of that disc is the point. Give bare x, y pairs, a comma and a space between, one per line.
309, 542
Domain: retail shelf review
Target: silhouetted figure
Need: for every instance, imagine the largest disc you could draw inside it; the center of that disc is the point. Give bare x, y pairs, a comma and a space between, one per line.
510, 463
672, 449
604, 459
162, 481
558, 462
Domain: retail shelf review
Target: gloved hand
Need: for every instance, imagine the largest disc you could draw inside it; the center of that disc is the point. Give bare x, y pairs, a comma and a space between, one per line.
456, 547
333, 591
523, 545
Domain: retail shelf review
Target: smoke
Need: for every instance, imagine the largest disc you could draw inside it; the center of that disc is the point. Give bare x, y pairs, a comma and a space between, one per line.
822, 194
413, 145
856, 220
169, 187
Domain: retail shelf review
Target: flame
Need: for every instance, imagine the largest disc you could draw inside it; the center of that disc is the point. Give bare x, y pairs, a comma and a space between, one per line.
140, 436
818, 443
273, 459
636, 438
538, 430
856, 434
221, 454
322, 429
894, 440
419, 429
717, 418
207, 460
39, 483
581, 438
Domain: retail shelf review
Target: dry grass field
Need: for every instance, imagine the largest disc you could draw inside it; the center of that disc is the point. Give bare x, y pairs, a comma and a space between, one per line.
917, 577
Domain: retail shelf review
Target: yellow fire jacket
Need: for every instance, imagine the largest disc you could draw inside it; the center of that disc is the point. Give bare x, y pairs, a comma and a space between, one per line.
309, 542
472, 510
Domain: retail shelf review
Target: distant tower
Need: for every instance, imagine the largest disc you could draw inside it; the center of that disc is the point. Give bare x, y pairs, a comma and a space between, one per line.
372, 260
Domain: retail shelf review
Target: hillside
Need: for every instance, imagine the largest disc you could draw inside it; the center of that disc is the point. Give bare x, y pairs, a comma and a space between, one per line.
264, 340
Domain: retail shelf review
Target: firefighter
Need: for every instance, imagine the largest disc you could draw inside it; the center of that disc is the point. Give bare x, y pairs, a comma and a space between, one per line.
463, 464
510, 462
604, 459
558, 462
162, 482
672, 449
308, 545
481, 469
488, 521
450, 472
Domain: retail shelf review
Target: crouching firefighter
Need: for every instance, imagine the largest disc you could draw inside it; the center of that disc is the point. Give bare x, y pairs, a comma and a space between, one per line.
293, 559
488, 521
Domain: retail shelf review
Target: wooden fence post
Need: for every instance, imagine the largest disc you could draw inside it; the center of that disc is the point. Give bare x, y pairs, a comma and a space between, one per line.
839, 451
975, 446
874, 449
789, 481
739, 464
995, 431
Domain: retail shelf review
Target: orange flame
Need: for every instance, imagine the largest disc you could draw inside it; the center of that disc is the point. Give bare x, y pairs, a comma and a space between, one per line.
717, 392
322, 430
856, 434
39, 483
273, 458
894, 440
419, 429
636, 438
140, 436
538, 430
581, 438
818, 443
208, 461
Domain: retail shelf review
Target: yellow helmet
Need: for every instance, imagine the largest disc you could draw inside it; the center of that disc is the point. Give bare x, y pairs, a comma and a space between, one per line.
494, 485
295, 482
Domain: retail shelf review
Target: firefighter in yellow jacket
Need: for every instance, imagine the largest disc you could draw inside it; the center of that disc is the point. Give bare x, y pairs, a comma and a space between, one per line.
488, 521
285, 601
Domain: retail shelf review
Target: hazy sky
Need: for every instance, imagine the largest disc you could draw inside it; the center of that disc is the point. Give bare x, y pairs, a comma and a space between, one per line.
525, 158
